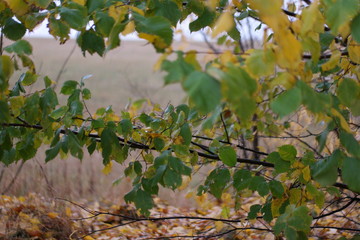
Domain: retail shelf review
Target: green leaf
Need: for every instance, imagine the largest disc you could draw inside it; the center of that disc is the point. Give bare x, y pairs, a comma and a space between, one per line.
287, 102
178, 166
314, 101
186, 134
42, 3
75, 17
276, 188
206, 18
159, 143
86, 94
228, 156
242, 179
14, 30
172, 179
51, 153
355, 30
156, 26
28, 78
58, 113
59, 29
288, 152
4, 112
76, 107
19, 47
90, 41
217, 181
104, 23
281, 165
126, 127
143, 200
69, 87
108, 139
350, 143
254, 210
93, 5
325, 171
267, 213
349, 94
340, 12
239, 90
294, 221
350, 173
177, 70
203, 90
168, 9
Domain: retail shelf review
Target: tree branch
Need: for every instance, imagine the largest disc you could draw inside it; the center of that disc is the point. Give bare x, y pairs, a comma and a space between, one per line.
137, 145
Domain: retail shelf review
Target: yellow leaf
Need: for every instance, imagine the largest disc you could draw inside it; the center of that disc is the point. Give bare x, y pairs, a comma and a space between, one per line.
219, 226
190, 57
223, 24
343, 122
89, 238
227, 57
68, 211
107, 169
130, 28
81, 2
52, 215
19, 7
306, 173
354, 51
289, 53
22, 199
212, 4
159, 62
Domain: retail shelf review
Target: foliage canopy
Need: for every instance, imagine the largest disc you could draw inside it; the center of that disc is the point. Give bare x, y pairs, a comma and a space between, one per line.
300, 86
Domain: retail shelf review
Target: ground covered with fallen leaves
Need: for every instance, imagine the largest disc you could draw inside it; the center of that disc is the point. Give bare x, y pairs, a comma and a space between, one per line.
37, 217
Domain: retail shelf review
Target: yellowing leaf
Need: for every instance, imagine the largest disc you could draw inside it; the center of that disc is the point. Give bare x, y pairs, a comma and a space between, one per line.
276, 205
295, 196
81, 2
306, 173
227, 57
312, 19
117, 11
343, 122
130, 28
107, 169
19, 7
333, 61
260, 62
354, 51
223, 24
137, 10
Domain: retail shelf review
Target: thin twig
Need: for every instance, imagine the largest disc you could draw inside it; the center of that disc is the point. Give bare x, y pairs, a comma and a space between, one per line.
224, 126
14, 178
57, 79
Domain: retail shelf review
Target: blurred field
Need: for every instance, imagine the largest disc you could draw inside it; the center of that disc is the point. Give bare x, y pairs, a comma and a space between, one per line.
123, 74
